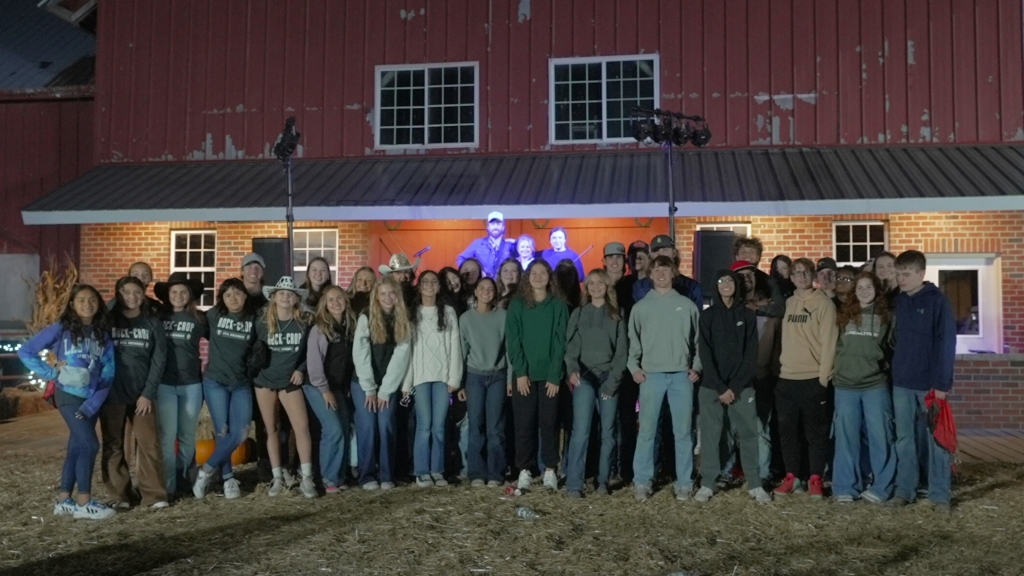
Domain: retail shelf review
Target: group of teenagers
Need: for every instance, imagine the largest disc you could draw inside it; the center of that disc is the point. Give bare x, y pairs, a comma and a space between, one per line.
807, 372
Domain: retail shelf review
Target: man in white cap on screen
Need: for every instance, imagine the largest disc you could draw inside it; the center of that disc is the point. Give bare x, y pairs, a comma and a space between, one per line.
491, 250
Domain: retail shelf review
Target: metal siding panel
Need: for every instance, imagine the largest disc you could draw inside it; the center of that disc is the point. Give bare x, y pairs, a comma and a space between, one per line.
627, 27
804, 62
989, 79
234, 105
581, 27
825, 34
1011, 64
673, 85
604, 30
519, 75
965, 77
941, 46
352, 84
415, 36
313, 103
895, 48
850, 79
782, 68
141, 47
872, 56
918, 77
159, 62
121, 83
734, 129
456, 30
759, 75
196, 104
176, 113
714, 63
541, 24
649, 37
692, 66
215, 105
497, 79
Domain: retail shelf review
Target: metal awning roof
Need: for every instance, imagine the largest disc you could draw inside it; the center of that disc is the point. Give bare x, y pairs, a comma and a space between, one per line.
775, 181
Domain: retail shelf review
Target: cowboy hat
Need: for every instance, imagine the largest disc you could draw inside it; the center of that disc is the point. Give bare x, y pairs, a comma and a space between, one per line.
398, 263
285, 283
163, 289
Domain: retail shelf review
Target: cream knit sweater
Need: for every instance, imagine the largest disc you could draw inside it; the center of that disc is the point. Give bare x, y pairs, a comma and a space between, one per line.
436, 356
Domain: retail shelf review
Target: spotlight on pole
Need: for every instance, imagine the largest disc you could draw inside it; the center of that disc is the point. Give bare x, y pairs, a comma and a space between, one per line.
284, 147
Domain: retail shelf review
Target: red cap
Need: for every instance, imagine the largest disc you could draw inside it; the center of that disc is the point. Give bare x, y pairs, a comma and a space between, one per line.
740, 265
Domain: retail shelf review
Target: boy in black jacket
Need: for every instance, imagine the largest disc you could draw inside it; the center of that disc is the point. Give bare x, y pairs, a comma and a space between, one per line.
728, 348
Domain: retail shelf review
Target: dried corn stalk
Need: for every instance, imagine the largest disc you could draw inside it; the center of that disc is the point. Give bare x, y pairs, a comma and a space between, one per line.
52, 293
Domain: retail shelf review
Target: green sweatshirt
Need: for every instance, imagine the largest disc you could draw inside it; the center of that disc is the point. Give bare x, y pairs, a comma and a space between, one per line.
663, 334
809, 336
597, 344
535, 338
861, 354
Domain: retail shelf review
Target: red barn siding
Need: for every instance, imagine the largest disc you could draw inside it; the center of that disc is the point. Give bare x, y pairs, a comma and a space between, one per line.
199, 80
45, 143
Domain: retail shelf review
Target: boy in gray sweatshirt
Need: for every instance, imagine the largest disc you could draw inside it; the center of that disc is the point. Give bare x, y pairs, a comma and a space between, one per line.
664, 362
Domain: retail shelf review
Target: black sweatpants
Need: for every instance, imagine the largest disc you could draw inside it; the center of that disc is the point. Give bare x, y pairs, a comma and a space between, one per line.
535, 411
803, 405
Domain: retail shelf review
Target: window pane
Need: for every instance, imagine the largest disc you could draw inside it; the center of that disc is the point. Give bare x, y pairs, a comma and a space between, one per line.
878, 232
860, 232
961, 287
561, 92
562, 73
435, 134
387, 117
387, 136
403, 117
387, 98
466, 75
301, 258
875, 250
208, 258
466, 134
561, 131
614, 70
842, 233
629, 90
180, 259
300, 239
466, 114
195, 259
451, 76
417, 97
404, 98
451, 134
843, 253
578, 72
647, 89
860, 253
210, 241
435, 76
466, 94
180, 241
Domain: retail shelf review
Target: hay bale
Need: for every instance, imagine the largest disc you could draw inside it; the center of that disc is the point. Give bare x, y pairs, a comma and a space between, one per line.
20, 401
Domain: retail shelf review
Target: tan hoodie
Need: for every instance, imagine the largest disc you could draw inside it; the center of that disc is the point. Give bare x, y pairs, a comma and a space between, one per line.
809, 335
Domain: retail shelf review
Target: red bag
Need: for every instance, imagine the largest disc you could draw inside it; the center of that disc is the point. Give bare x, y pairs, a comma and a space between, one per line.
49, 391
940, 421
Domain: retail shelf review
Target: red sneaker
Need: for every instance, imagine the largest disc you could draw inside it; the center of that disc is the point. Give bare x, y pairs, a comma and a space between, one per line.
789, 484
816, 489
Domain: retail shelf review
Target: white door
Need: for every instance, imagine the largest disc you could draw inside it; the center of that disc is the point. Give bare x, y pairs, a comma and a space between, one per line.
973, 284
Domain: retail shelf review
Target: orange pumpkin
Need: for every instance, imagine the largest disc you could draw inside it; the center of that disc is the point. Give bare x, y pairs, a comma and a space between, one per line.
204, 449
243, 453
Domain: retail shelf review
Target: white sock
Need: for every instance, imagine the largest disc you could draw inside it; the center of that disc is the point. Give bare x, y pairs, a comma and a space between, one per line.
307, 469
277, 473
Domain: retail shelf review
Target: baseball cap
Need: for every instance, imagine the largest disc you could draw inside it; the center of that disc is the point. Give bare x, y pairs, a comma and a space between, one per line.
826, 263
662, 241
639, 246
496, 216
614, 249
253, 257
741, 265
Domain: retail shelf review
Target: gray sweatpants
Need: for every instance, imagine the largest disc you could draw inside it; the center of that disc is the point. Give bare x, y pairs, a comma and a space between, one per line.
743, 416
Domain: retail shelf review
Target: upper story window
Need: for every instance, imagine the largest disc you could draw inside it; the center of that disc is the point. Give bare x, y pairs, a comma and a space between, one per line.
858, 242
592, 98
427, 105
194, 252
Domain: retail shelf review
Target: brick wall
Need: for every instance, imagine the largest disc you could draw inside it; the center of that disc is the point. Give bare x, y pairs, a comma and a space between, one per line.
930, 232
109, 249
988, 391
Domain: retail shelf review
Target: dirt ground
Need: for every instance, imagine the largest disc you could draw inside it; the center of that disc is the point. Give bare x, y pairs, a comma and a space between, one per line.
462, 530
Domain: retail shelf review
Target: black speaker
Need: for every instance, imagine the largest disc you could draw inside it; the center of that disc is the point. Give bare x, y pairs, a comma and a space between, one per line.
275, 253
712, 251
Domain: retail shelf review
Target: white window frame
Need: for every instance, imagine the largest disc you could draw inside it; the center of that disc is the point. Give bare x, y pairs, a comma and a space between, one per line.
333, 265
426, 68
604, 95
201, 269
851, 243
725, 225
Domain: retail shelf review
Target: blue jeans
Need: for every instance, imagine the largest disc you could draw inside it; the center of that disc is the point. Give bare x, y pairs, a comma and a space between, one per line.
177, 413
584, 399
432, 401
870, 410
231, 412
919, 458
679, 390
375, 438
83, 445
485, 398
334, 426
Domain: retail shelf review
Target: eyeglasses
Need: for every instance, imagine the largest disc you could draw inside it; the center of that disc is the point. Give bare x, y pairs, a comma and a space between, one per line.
844, 279
803, 273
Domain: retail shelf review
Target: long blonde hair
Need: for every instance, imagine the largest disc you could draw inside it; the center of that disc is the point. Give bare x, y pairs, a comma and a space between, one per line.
324, 320
270, 314
611, 300
375, 313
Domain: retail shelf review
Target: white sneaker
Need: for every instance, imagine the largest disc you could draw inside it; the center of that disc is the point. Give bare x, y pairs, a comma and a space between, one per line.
439, 480
159, 505
424, 481
550, 479
494, 484
289, 478
307, 487
387, 485
760, 495
478, 483
643, 492
371, 485
93, 510
202, 482
276, 487
683, 494
232, 489
525, 479
65, 507
704, 494
121, 505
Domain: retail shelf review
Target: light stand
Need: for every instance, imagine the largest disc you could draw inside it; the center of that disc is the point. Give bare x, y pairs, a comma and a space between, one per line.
671, 128
283, 149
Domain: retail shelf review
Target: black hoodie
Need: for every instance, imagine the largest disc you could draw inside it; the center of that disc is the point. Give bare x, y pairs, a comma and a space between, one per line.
728, 342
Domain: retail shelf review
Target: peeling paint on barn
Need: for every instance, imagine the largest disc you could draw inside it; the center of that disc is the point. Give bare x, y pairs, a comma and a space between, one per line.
524, 10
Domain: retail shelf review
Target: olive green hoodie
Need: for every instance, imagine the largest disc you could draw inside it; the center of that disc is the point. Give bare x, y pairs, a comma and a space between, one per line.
863, 351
